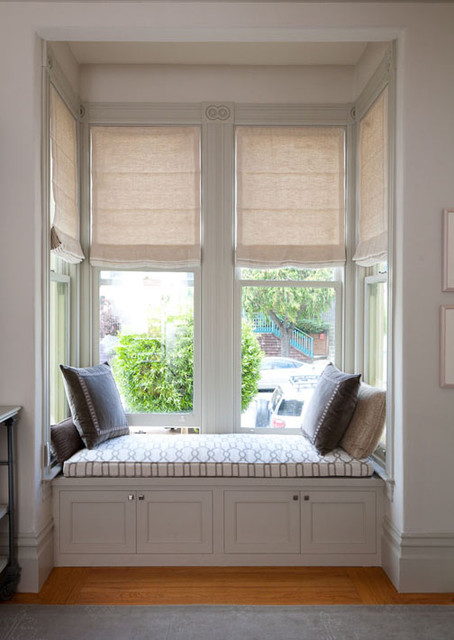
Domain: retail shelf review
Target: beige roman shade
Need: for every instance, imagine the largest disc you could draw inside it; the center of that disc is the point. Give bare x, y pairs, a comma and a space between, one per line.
64, 199
145, 196
290, 196
372, 246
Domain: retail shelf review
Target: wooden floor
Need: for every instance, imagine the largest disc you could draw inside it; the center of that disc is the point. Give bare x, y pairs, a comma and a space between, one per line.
224, 585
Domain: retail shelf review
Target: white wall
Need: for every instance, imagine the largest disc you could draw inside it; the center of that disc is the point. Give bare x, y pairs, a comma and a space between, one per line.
424, 430
199, 83
368, 63
68, 64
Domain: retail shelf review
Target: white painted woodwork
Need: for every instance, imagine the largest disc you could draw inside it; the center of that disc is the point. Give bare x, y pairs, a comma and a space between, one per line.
338, 522
261, 522
217, 521
97, 522
174, 522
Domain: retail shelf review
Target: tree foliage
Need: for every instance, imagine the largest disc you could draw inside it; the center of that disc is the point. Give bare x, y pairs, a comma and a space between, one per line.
251, 357
288, 306
153, 378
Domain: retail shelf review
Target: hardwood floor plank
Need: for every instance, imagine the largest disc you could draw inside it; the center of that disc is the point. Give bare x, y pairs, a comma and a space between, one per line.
373, 585
223, 585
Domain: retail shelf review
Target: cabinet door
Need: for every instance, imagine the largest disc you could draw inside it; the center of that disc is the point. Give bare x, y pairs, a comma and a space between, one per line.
97, 522
261, 522
338, 522
175, 522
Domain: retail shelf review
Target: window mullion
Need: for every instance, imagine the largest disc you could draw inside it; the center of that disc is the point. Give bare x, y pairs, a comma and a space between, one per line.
217, 277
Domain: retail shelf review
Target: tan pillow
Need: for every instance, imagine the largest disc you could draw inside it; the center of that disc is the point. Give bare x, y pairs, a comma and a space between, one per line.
366, 426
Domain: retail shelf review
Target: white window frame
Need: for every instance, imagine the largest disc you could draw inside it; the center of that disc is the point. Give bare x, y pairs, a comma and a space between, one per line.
65, 279
170, 420
55, 268
336, 285
218, 384
114, 114
384, 76
379, 455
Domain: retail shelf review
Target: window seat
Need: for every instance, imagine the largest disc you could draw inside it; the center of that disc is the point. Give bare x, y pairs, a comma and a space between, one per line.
212, 456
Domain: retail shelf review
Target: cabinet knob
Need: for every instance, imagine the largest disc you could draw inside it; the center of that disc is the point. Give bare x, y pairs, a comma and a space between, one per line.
131, 496
141, 496
295, 497
306, 498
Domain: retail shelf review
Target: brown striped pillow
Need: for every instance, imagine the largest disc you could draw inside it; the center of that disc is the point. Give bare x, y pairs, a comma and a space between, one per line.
65, 440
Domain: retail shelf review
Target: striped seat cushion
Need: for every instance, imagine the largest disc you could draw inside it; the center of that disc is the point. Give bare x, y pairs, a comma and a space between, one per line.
212, 455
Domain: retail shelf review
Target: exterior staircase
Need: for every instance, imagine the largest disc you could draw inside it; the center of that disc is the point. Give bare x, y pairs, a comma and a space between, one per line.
301, 344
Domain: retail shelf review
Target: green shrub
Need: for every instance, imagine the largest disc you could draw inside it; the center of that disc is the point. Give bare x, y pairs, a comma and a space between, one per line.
251, 357
153, 379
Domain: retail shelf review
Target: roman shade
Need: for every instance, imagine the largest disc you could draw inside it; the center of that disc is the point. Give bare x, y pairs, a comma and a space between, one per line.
372, 246
64, 200
290, 196
145, 196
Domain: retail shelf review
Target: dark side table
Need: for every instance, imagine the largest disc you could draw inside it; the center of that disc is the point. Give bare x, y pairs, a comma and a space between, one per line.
9, 569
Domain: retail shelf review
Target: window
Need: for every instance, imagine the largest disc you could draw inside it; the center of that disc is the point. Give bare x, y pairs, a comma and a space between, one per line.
290, 219
371, 256
145, 228
293, 317
376, 336
216, 284
59, 343
145, 250
64, 253
146, 333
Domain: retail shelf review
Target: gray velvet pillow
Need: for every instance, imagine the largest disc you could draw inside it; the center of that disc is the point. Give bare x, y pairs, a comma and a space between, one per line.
95, 403
330, 408
65, 440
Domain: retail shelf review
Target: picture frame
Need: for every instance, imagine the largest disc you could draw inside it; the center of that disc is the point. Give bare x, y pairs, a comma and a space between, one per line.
447, 346
448, 250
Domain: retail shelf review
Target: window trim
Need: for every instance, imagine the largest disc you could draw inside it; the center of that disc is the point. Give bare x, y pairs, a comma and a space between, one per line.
53, 75
384, 76
218, 282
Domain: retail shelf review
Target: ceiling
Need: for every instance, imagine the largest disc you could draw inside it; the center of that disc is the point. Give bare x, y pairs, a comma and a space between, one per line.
220, 53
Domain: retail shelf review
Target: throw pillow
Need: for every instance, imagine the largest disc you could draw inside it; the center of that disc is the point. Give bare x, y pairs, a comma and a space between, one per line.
366, 426
330, 408
95, 403
65, 440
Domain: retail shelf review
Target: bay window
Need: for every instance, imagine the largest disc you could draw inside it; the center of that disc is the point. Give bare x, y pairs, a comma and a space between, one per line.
221, 240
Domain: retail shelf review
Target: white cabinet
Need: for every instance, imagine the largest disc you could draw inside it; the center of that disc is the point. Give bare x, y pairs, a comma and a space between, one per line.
261, 522
338, 522
97, 522
136, 522
175, 522
215, 521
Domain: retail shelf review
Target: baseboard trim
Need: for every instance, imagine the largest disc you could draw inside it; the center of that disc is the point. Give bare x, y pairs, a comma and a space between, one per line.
35, 557
418, 562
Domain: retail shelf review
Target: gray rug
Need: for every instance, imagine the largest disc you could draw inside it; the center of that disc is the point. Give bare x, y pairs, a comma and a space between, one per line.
356, 622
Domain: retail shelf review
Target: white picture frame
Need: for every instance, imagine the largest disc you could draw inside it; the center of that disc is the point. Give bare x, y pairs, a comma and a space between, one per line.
447, 346
448, 250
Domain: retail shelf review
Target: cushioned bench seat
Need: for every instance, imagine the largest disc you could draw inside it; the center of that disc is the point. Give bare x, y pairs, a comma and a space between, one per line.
213, 455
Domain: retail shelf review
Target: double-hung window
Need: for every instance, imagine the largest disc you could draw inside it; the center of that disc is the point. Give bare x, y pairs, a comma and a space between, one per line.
145, 254
290, 206
218, 240
372, 247
62, 240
